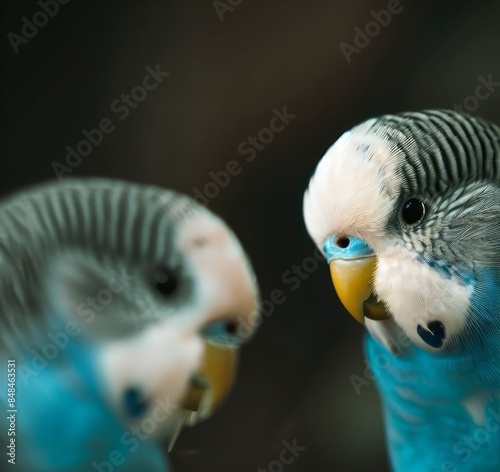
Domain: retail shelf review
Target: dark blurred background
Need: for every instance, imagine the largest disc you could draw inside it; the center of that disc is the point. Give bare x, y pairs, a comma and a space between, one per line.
231, 63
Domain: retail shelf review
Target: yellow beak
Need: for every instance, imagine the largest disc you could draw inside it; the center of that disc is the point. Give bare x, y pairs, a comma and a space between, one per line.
353, 282
213, 382
207, 389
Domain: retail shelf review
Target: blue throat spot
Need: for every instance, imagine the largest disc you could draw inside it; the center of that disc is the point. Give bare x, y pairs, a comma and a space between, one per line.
134, 402
435, 337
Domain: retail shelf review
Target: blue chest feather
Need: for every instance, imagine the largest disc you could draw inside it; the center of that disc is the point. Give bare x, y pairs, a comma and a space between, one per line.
428, 425
442, 411
63, 421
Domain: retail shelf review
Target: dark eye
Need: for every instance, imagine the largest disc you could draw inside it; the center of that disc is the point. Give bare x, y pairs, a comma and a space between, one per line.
165, 281
413, 210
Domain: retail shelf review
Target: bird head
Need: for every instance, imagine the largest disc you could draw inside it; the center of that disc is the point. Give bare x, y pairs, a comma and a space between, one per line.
158, 287
405, 209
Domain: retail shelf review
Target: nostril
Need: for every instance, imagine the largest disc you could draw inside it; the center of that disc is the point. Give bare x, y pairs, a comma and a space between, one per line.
343, 242
232, 328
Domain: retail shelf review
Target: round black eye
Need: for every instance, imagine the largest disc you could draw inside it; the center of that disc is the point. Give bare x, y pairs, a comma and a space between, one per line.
165, 281
413, 210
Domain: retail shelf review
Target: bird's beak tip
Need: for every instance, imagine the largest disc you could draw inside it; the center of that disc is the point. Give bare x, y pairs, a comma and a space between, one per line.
353, 282
207, 389
212, 383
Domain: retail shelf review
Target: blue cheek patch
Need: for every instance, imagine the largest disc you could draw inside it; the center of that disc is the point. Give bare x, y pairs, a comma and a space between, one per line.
446, 270
346, 247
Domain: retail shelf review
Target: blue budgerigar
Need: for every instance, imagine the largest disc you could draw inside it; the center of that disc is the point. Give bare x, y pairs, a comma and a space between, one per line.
406, 209
121, 310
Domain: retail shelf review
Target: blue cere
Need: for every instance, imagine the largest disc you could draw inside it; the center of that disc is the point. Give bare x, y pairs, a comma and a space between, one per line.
346, 247
223, 333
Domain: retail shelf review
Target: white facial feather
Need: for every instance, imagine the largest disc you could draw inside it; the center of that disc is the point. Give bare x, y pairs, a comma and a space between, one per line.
163, 358
161, 361
353, 192
416, 294
353, 189
227, 285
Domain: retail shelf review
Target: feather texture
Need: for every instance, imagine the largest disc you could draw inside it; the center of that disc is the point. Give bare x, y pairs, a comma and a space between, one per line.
441, 269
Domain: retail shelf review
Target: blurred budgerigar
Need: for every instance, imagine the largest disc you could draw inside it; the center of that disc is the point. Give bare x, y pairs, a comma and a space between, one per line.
406, 209
121, 309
